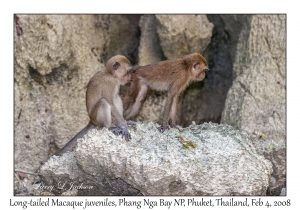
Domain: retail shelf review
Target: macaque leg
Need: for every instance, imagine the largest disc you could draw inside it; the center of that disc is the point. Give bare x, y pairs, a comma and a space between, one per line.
172, 95
173, 112
101, 113
138, 102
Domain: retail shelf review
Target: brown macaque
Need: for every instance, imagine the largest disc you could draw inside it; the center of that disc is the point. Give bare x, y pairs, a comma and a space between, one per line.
170, 75
103, 102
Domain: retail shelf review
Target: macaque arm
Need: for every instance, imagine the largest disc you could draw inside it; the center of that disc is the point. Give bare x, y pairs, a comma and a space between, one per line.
118, 118
135, 108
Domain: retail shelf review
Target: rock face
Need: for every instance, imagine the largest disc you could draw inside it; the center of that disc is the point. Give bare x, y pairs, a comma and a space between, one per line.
256, 102
149, 49
180, 35
54, 58
224, 162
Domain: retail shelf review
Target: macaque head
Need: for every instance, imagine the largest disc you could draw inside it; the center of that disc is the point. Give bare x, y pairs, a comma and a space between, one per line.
197, 65
118, 66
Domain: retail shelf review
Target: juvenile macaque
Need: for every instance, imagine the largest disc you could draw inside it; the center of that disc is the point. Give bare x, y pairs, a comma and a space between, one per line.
170, 75
103, 102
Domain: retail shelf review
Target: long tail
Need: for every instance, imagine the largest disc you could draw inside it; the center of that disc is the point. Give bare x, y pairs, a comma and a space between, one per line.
71, 144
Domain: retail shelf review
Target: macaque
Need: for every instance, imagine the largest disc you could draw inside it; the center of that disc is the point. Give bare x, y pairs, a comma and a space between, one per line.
103, 102
170, 75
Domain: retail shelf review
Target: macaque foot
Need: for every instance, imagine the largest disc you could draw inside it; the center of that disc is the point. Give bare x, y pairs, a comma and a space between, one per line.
132, 124
162, 128
117, 131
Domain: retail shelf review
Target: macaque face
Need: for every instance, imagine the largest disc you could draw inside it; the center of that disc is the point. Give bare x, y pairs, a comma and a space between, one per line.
199, 68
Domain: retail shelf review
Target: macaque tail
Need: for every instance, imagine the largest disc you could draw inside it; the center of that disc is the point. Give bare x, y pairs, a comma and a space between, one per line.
71, 144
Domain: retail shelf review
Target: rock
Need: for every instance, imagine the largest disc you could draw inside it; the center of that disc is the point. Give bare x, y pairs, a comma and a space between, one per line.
67, 178
234, 25
149, 49
181, 35
121, 36
276, 153
54, 58
256, 102
26, 185
283, 192
70, 192
224, 162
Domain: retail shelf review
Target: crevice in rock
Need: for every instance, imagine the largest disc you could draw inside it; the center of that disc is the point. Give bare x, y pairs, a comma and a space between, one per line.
35, 75
58, 75
248, 91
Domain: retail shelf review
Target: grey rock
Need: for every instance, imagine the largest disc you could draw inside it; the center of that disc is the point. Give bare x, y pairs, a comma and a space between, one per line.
72, 192
149, 49
120, 36
224, 162
235, 25
269, 149
256, 102
66, 177
283, 192
180, 35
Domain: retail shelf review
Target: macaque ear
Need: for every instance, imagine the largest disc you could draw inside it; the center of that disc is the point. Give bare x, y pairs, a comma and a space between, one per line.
196, 65
116, 66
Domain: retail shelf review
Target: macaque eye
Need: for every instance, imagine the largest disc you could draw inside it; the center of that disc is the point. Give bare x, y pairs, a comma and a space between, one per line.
196, 65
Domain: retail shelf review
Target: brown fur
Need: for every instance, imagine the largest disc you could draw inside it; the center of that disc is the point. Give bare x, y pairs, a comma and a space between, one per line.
103, 102
170, 75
